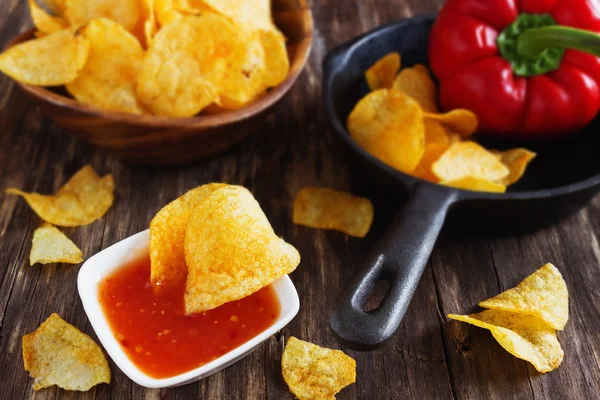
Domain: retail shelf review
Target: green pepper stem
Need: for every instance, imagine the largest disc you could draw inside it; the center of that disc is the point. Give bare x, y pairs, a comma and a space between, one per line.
532, 42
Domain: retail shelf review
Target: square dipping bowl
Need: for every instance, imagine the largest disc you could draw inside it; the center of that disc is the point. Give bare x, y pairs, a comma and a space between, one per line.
103, 264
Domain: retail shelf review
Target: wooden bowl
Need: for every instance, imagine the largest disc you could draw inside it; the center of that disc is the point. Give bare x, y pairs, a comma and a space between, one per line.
148, 139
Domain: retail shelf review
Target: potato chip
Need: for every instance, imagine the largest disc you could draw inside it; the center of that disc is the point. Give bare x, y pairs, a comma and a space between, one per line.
49, 245
381, 75
418, 86
468, 159
125, 12
44, 22
460, 121
109, 76
150, 23
51, 60
476, 184
524, 336
167, 236
437, 141
56, 7
231, 250
167, 11
516, 160
186, 64
59, 354
422, 69
389, 125
83, 199
260, 64
542, 294
333, 209
315, 373
248, 14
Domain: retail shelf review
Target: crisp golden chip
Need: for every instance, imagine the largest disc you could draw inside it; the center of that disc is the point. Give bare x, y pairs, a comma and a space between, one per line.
167, 236
476, 184
437, 141
523, 336
389, 125
83, 199
260, 64
59, 354
248, 15
422, 69
516, 160
333, 209
49, 245
168, 11
460, 121
381, 75
231, 250
542, 294
51, 60
468, 159
316, 373
186, 64
109, 76
418, 86
44, 22
125, 12
150, 23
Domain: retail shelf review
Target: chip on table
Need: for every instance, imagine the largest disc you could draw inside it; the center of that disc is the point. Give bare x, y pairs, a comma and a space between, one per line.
313, 372
325, 208
49, 245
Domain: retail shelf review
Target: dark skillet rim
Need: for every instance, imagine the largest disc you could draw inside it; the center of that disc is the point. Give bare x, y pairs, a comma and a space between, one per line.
344, 51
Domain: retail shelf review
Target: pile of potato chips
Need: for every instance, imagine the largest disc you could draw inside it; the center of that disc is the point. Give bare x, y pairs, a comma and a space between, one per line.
399, 123
216, 240
524, 319
164, 57
85, 198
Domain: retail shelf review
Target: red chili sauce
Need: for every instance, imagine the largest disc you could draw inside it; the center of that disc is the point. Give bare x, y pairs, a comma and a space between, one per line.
160, 339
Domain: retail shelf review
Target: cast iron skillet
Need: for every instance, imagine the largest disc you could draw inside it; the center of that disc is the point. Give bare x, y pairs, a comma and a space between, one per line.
562, 179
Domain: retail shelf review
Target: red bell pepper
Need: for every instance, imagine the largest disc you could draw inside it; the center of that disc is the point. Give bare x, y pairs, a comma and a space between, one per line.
520, 65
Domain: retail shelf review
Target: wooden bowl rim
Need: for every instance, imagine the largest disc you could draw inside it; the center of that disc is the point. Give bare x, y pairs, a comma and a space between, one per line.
297, 65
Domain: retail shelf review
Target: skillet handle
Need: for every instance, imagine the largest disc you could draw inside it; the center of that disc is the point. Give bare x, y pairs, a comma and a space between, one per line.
400, 258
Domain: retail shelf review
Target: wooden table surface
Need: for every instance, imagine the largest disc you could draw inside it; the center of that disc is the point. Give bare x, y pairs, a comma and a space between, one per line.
429, 358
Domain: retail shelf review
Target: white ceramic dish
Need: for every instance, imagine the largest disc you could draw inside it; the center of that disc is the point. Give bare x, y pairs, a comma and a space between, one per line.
104, 263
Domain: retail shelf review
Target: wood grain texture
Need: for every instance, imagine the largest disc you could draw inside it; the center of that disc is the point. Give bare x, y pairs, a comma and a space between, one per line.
429, 358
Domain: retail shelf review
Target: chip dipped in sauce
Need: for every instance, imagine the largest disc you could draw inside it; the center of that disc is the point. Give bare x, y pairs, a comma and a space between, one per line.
160, 340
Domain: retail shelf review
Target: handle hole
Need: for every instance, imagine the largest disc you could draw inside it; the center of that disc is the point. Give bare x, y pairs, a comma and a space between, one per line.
376, 296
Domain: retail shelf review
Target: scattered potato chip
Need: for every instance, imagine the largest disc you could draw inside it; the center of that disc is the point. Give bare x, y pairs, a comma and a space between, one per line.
44, 22
542, 294
418, 86
476, 184
231, 250
125, 12
83, 199
186, 64
381, 75
468, 159
437, 141
524, 336
248, 14
108, 79
167, 236
516, 160
315, 373
333, 209
51, 60
389, 125
59, 354
460, 121
49, 245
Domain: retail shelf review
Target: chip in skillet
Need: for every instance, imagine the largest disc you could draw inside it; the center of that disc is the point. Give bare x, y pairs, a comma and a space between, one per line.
59, 354
49, 245
43, 21
437, 141
524, 336
108, 78
125, 12
476, 184
419, 86
381, 75
313, 372
460, 121
516, 160
85, 198
333, 209
231, 250
389, 125
51, 60
468, 159
167, 236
